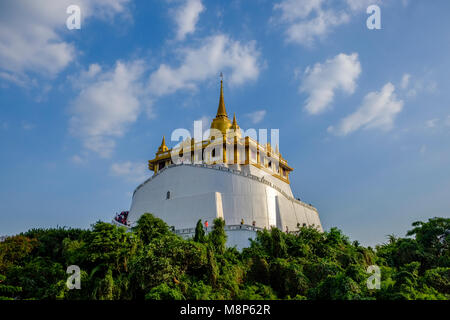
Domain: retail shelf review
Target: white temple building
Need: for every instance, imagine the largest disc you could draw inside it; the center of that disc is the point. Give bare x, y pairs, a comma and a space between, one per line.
227, 175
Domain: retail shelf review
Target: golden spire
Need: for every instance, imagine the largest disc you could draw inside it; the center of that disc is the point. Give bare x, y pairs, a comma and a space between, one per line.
221, 111
234, 125
235, 130
162, 148
221, 121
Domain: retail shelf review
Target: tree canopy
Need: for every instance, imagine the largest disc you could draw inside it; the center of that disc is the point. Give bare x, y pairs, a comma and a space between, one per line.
151, 262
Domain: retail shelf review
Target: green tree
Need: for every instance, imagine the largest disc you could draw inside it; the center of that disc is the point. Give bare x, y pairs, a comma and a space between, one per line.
199, 232
218, 236
439, 279
13, 250
109, 250
164, 292
149, 227
433, 239
7, 292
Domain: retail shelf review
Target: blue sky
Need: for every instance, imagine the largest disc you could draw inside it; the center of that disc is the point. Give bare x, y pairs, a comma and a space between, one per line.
363, 114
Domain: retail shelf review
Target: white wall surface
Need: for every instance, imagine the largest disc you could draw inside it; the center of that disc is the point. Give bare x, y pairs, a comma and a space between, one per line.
196, 193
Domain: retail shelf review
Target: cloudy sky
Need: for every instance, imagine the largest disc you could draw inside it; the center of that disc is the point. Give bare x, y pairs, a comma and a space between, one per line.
364, 115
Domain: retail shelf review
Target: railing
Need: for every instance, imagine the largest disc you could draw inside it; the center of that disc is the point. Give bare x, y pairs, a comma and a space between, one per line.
191, 231
227, 228
233, 171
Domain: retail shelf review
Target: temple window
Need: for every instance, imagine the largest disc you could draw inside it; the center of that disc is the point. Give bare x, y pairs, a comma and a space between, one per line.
168, 195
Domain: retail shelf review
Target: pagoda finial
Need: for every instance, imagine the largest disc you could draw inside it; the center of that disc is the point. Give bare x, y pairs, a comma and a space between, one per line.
234, 125
221, 111
235, 130
221, 121
163, 147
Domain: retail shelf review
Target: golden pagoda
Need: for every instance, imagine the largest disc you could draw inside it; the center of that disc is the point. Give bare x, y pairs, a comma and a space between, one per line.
229, 175
226, 147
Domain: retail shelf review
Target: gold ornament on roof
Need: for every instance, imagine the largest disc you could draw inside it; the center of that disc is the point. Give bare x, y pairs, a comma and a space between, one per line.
221, 121
162, 148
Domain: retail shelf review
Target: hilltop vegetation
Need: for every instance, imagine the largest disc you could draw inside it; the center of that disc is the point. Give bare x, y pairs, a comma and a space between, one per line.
151, 262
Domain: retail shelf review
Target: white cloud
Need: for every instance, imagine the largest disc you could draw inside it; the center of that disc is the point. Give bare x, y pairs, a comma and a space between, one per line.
131, 171
437, 123
27, 126
217, 53
11, 78
405, 3
405, 81
414, 86
305, 32
293, 10
431, 123
186, 17
309, 20
31, 35
108, 102
322, 80
378, 110
78, 160
356, 5
256, 116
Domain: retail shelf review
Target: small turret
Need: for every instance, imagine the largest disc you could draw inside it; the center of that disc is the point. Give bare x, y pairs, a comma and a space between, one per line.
162, 148
235, 129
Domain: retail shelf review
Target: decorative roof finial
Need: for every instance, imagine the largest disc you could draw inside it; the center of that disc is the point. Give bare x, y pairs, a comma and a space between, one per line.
234, 124
221, 121
221, 111
234, 127
163, 148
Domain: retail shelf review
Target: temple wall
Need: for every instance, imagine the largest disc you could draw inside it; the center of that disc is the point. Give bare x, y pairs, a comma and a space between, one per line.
196, 193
